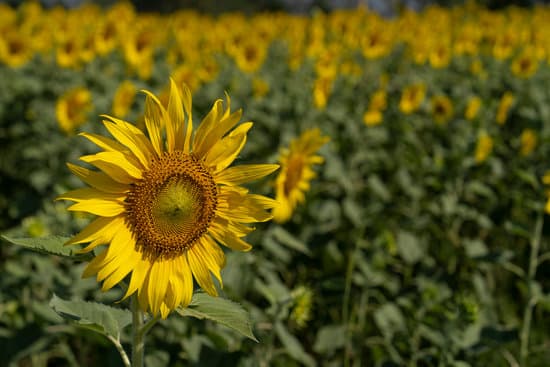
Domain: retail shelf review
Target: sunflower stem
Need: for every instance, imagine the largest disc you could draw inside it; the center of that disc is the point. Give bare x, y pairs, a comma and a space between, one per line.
533, 297
138, 337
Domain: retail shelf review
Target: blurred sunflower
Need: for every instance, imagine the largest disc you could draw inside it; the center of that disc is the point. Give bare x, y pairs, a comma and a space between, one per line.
442, 109
164, 207
378, 103
322, 88
472, 108
411, 98
72, 109
15, 49
528, 140
484, 147
525, 64
504, 106
296, 172
123, 99
546, 181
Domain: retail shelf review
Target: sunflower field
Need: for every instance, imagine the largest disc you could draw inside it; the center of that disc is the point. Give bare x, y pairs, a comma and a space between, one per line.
329, 189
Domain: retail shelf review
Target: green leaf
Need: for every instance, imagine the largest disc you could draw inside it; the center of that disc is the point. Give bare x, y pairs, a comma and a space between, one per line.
100, 317
389, 319
329, 338
221, 310
292, 345
409, 248
289, 240
53, 245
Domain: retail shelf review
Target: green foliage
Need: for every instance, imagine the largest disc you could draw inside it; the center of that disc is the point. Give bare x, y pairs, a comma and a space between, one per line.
415, 254
99, 317
220, 310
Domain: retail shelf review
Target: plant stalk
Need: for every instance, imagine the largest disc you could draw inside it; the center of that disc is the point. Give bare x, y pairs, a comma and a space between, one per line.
138, 337
532, 301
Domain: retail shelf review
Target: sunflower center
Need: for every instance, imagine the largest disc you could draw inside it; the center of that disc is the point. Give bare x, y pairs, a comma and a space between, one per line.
171, 207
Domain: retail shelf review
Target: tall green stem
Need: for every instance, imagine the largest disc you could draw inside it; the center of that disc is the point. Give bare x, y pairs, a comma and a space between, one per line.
532, 301
138, 338
140, 328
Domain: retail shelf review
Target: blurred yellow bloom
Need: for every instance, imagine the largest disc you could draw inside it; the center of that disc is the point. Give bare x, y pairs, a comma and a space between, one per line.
68, 52
296, 172
373, 117
321, 91
484, 147
504, 106
411, 98
546, 181
259, 87
442, 109
525, 64
440, 56
249, 55
528, 141
72, 109
15, 49
123, 99
378, 100
472, 109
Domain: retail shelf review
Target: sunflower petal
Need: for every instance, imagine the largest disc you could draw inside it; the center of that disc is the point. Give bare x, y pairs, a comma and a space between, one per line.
103, 208
88, 193
244, 173
138, 144
99, 228
157, 285
138, 277
98, 180
115, 164
108, 145
228, 239
177, 117
224, 152
154, 118
187, 105
205, 126
200, 271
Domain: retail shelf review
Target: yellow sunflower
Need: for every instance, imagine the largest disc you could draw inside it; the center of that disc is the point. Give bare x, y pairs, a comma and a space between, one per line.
163, 207
123, 99
72, 109
484, 147
411, 98
296, 172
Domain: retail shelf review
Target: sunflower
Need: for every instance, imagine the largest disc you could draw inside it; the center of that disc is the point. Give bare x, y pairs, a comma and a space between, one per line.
123, 99
72, 109
472, 108
442, 109
503, 109
484, 147
296, 172
411, 98
528, 140
163, 208
525, 64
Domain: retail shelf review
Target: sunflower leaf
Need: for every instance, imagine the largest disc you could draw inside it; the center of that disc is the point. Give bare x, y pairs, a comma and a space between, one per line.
221, 310
53, 245
99, 317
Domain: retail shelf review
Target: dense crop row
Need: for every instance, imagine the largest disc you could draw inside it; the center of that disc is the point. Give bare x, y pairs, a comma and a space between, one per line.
418, 237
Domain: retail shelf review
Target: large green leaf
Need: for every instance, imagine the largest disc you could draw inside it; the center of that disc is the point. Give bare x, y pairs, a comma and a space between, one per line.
293, 346
220, 310
54, 245
100, 317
